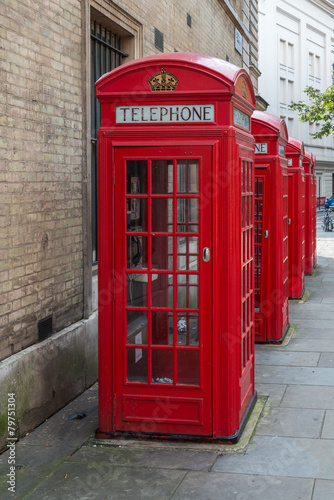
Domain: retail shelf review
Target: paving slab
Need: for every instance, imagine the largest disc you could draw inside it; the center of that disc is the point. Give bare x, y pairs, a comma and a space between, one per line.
286, 358
306, 396
313, 345
328, 429
275, 392
91, 482
302, 332
293, 422
323, 490
295, 375
220, 486
326, 360
129, 457
282, 456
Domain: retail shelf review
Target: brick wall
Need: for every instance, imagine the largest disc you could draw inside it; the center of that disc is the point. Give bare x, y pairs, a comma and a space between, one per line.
212, 31
40, 168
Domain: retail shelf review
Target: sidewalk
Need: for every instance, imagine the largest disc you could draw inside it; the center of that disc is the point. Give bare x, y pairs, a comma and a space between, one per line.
291, 455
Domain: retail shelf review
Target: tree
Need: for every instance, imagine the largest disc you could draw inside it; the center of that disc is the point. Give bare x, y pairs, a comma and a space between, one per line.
320, 109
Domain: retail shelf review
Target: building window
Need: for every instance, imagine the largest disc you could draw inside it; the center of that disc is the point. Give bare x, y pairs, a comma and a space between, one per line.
106, 54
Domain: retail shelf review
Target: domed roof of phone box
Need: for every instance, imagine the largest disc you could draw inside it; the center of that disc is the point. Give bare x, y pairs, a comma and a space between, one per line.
264, 124
194, 73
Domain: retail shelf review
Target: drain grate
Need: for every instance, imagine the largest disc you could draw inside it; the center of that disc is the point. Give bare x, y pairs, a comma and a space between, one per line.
45, 328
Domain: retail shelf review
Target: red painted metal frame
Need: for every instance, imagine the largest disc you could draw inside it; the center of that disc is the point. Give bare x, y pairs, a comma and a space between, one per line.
314, 209
295, 155
272, 316
201, 80
309, 213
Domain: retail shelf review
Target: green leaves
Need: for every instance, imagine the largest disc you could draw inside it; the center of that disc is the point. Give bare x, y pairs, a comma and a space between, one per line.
320, 109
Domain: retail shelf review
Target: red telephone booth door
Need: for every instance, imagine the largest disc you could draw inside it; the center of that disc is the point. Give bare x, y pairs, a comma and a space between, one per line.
261, 252
163, 290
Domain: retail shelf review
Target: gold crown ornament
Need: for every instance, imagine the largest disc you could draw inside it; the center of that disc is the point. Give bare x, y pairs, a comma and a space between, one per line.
163, 81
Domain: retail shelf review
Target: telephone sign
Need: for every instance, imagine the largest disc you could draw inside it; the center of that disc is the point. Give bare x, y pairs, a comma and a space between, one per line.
261, 148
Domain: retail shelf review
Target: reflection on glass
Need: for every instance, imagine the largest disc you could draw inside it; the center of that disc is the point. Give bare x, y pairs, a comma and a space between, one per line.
136, 327
162, 215
187, 215
162, 252
137, 289
136, 214
136, 252
187, 253
162, 176
187, 176
187, 291
162, 366
162, 328
137, 365
162, 290
136, 176
187, 329
188, 367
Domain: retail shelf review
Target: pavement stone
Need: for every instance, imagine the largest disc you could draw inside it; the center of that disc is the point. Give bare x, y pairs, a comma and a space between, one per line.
293, 422
279, 358
323, 490
326, 359
282, 456
274, 392
306, 396
295, 375
220, 486
107, 482
328, 429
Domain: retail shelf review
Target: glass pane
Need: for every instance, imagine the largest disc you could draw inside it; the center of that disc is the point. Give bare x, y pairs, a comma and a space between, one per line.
162, 215
187, 253
162, 290
137, 365
136, 214
162, 176
187, 176
136, 252
162, 366
162, 328
137, 289
162, 252
187, 291
187, 367
136, 327
187, 215
187, 329
136, 176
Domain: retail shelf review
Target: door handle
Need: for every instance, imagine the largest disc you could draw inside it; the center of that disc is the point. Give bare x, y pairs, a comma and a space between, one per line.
206, 254
266, 234
289, 222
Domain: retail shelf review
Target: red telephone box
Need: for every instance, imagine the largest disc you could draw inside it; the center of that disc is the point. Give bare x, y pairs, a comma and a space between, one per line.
271, 228
296, 211
176, 339
310, 213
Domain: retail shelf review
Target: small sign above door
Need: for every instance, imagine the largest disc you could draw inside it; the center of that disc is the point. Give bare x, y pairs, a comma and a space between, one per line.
261, 148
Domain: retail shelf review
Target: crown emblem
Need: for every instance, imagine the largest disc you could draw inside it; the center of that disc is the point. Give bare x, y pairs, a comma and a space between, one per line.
163, 81
244, 89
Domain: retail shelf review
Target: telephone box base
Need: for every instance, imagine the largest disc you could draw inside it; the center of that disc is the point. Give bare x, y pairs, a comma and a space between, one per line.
233, 439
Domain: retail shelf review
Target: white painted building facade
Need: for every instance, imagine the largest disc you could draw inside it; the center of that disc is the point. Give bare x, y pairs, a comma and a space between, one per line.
296, 44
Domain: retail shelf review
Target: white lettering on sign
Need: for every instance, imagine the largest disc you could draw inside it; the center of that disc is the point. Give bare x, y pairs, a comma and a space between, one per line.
165, 114
290, 162
261, 147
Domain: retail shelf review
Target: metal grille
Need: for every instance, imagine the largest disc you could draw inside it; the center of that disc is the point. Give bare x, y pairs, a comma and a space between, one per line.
106, 54
45, 328
158, 39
